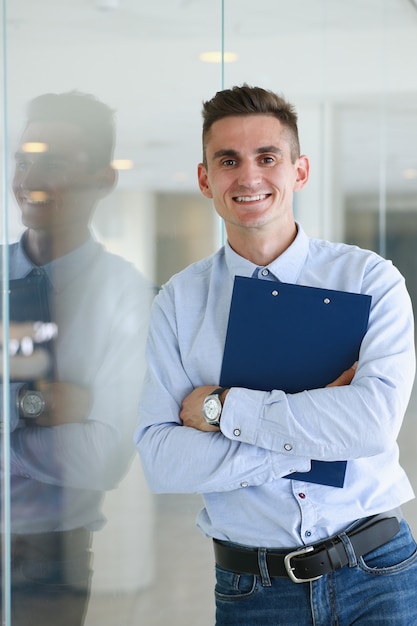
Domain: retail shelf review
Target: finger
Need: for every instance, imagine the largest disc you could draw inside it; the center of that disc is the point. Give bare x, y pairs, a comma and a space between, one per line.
345, 378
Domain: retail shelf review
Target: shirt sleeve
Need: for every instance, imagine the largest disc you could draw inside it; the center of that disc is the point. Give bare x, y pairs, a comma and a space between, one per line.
355, 421
95, 454
180, 459
14, 417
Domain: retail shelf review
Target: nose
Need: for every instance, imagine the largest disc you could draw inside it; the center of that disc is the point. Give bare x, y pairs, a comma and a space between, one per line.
249, 174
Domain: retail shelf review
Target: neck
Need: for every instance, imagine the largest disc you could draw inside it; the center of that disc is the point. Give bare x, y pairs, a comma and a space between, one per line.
258, 247
43, 247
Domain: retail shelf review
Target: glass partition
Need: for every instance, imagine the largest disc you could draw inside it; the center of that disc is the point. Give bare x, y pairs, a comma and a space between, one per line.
93, 227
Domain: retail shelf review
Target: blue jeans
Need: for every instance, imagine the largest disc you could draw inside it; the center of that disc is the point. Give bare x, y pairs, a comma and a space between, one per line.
379, 589
50, 579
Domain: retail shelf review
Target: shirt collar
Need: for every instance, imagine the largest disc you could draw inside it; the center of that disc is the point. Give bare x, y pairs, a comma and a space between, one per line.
285, 268
61, 271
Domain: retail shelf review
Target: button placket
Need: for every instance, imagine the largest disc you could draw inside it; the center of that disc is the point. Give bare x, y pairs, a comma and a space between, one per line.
306, 508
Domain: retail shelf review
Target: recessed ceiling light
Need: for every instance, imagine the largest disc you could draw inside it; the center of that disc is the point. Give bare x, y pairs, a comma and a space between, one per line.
410, 173
122, 164
216, 56
35, 146
38, 196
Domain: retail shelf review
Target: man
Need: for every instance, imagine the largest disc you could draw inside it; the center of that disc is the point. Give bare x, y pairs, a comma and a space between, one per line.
72, 426
358, 562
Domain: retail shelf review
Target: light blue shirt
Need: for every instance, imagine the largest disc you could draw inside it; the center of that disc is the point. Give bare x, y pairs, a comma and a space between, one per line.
59, 474
266, 435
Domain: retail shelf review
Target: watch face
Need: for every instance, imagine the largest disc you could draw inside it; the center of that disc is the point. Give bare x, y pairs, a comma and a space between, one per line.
212, 408
32, 404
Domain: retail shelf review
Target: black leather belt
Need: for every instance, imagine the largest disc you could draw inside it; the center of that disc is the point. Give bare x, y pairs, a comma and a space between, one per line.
51, 545
61, 557
311, 562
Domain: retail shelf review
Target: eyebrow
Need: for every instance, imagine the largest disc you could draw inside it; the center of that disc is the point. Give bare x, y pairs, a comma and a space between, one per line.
233, 153
224, 152
273, 149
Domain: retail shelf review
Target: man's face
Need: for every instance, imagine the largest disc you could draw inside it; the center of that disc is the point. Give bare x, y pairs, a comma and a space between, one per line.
53, 183
249, 173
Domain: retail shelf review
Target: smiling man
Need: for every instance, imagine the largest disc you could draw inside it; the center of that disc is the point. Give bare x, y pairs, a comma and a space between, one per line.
237, 446
72, 426
252, 183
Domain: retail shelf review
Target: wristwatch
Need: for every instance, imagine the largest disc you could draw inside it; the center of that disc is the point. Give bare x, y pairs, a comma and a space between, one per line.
212, 407
31, 404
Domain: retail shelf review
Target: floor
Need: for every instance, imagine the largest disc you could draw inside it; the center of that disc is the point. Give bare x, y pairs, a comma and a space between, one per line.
181, 593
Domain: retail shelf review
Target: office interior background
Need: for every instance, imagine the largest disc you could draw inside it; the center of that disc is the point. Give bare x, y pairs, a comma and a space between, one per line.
349, 68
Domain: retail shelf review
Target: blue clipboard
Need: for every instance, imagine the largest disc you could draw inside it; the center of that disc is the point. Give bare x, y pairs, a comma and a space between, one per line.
293, 338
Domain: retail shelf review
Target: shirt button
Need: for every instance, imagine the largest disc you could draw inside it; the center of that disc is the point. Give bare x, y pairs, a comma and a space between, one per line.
244, 484
308, 533
287, 447
302, 495
265, 272
236, 432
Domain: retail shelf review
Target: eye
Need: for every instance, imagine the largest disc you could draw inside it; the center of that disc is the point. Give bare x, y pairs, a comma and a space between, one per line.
229, 162
22, 165
267, 160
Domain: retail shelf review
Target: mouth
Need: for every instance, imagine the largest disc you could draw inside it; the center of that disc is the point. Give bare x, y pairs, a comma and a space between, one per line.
257, 198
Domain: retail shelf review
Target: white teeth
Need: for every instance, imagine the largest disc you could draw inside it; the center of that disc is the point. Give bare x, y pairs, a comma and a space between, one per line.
250, 198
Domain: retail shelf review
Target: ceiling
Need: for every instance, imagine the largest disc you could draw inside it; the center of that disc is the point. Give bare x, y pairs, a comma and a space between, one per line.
356, 58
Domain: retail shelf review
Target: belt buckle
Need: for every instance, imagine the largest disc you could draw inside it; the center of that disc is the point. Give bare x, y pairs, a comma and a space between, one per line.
290, 569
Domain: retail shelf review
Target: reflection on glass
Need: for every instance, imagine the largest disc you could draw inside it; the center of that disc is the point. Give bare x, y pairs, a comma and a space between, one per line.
78, 323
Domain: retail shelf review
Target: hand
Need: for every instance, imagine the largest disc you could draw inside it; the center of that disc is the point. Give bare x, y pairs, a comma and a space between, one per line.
345, 378
191, 413
22, 335
28, 359
65, 403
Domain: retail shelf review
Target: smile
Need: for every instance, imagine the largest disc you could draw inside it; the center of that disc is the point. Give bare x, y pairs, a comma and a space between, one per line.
251, 198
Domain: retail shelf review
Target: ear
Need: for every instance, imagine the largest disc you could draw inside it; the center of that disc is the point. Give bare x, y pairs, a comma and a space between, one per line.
203, 181
302, 166
106, 180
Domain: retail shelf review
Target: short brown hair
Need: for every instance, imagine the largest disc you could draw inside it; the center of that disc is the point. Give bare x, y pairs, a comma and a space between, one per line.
94, 118
246, 100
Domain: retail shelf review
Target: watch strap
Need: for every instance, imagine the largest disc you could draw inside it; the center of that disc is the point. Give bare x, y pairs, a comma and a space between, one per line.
218, 391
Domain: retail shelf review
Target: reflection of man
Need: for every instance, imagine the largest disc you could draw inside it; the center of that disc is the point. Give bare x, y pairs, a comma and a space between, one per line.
71, 431
238, 447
